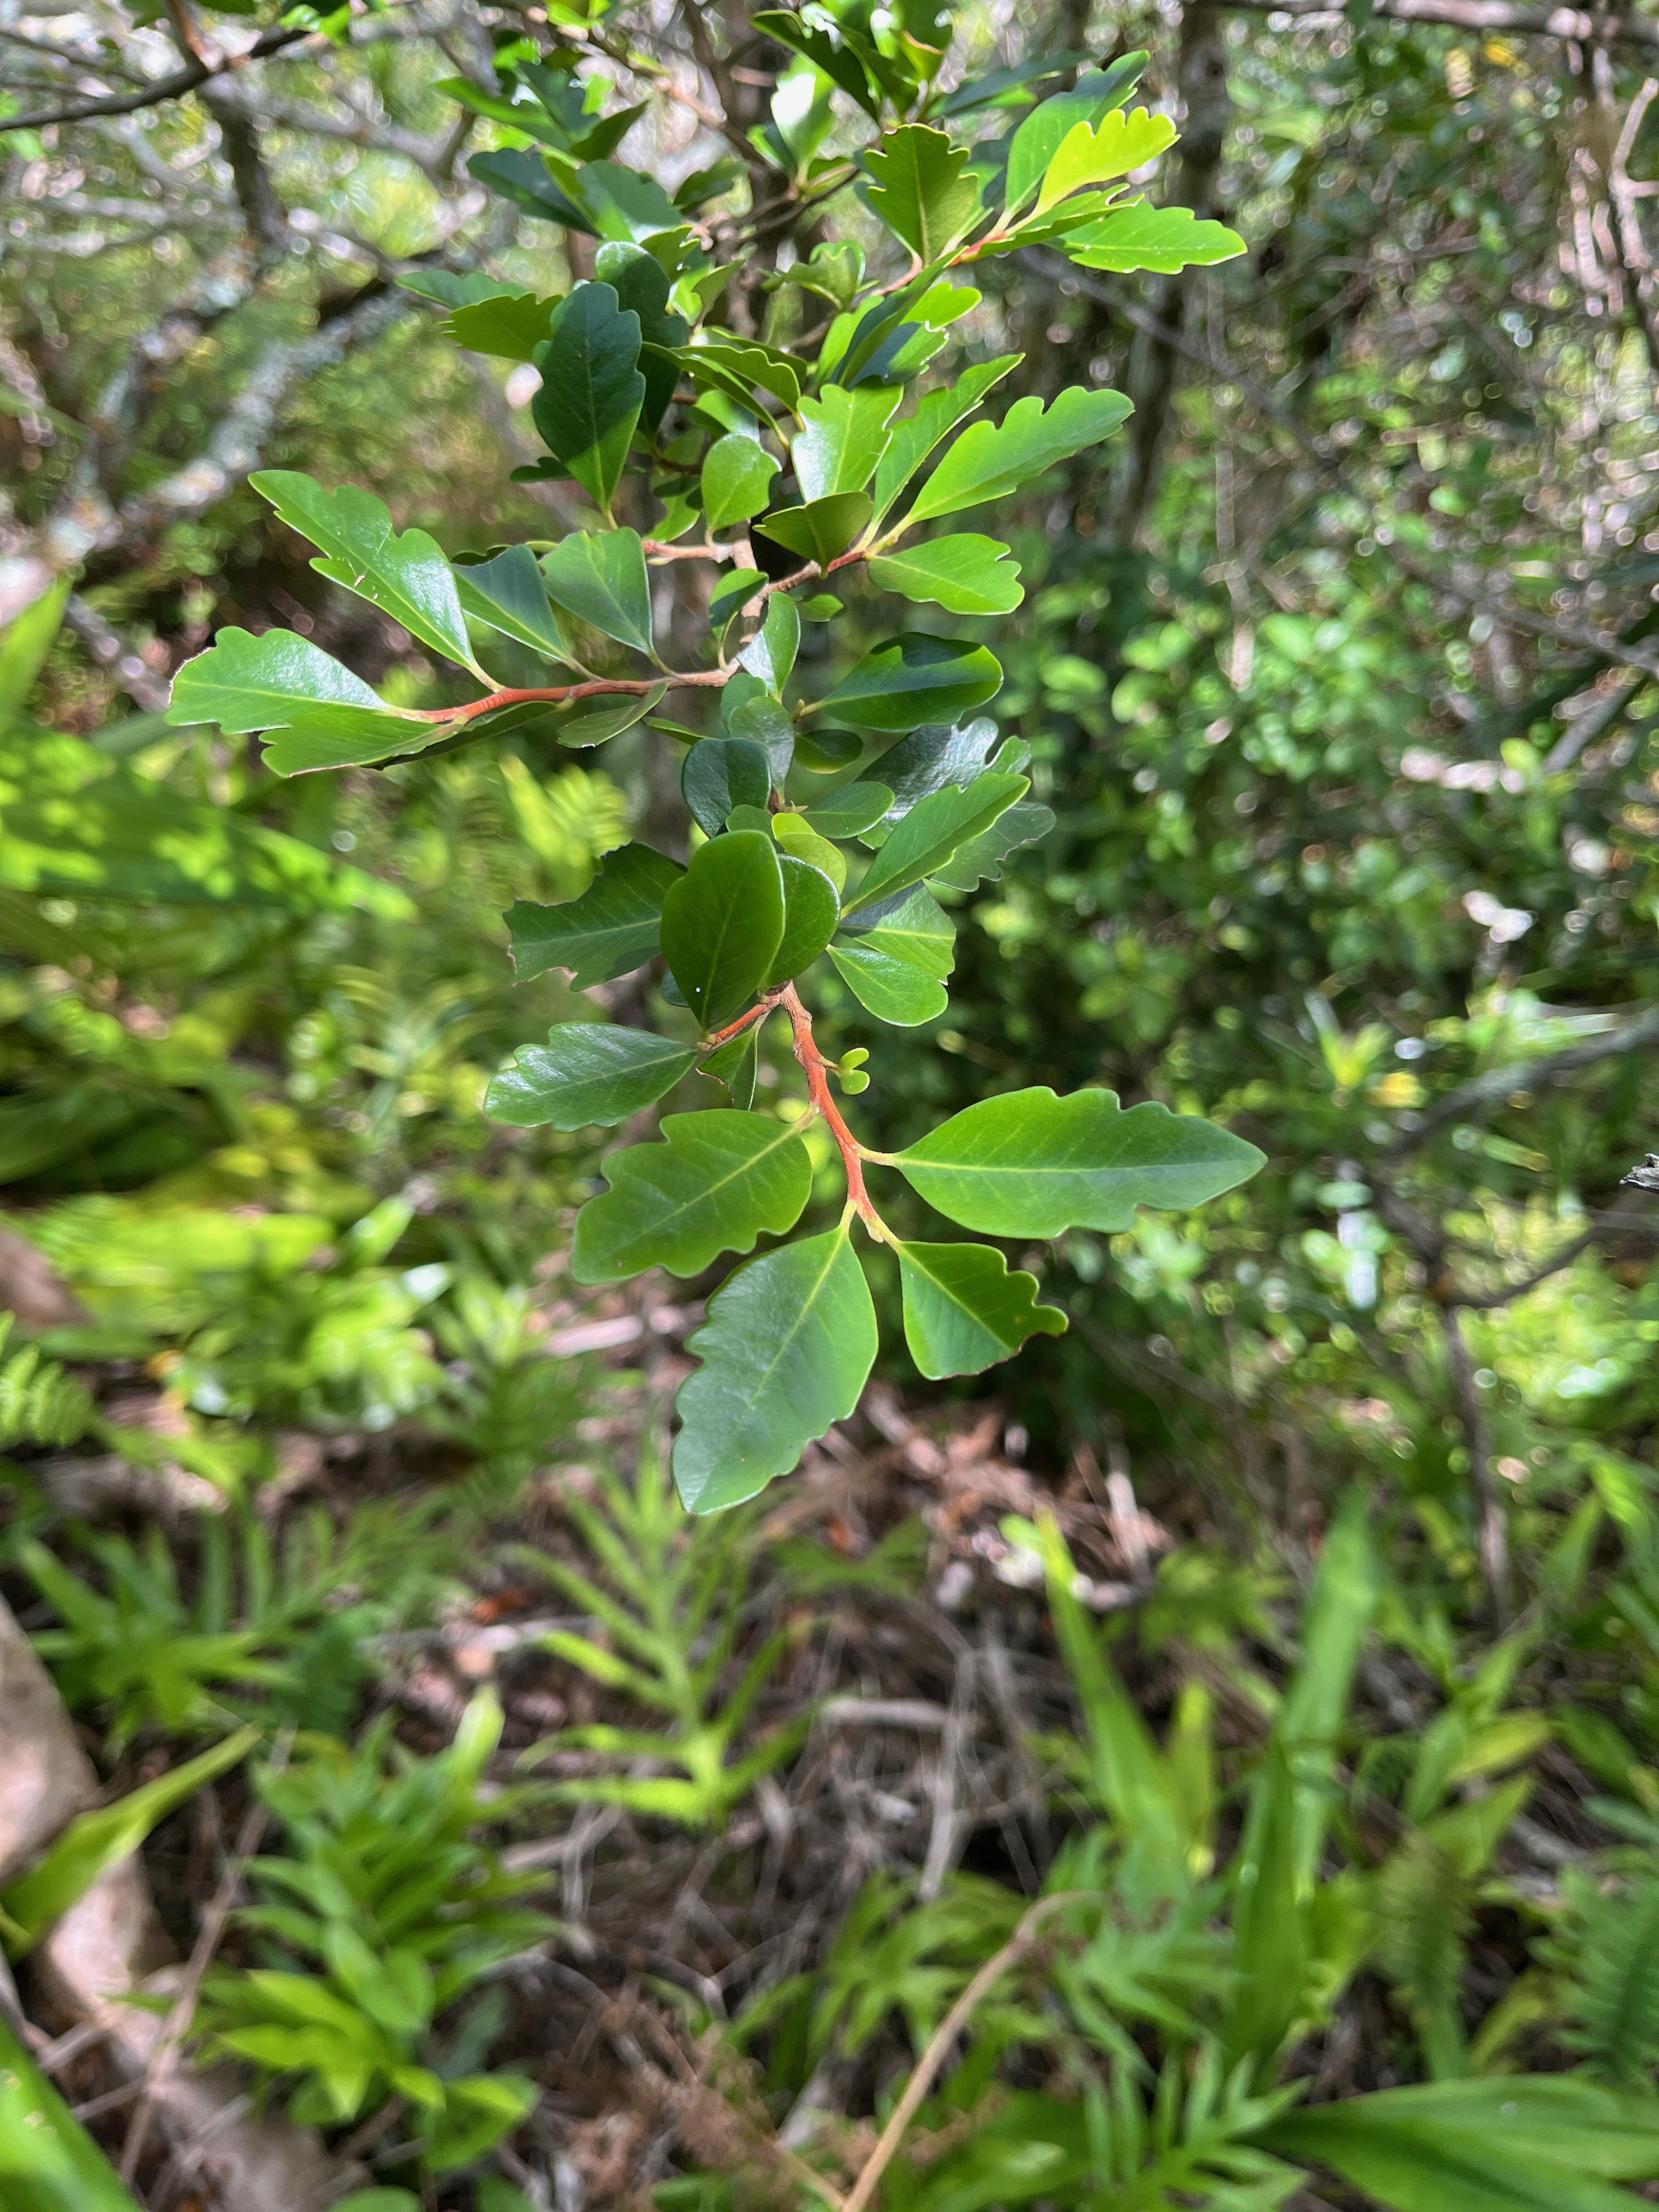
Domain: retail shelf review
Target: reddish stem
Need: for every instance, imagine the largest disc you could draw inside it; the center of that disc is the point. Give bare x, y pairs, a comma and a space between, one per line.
816, 1067
632, 686
737, 1027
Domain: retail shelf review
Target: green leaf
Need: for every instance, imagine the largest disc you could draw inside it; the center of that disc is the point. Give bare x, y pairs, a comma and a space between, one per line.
827, 53
720, 773
586, 1073
1119, 142
939, 754
714, 1184
509, 326
1031, 1164
737, 479
642, 284
824, 751
1041, 135
246, 683
451, 290
48, 2163
920, 192
965, 575
95, 1842
737, 1065
25, 642
916, 678
722, 923
761, 721
787, 1350
591, 390
1164, 240
821, 529
740, 367
811, 911
963, 1309
599, 577
770, 656
898, 969
522, 177
611, 929
596, 723
933, 829
979, 861
795, 837
936, 415
993, 460
843, 437
732, 593
509, 595
850, 812
405, 575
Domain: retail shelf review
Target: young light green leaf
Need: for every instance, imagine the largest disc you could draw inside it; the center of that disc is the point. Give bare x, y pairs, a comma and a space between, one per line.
714, 1184
770, 656
1164, 240
1041, 135
586, 1073
964, 1310
1031, 1164
611, 929
897, 969
794, 836
720, 773
853, 809
405, 575
843, 437
591, 390
979, 861
722, 923
737, 1065
933, 829
600, 576
737, 479
1119, 142
508, 325
812, 912
965, 575
916, 678
936, 415
787, 1350
821, 529
993, 460
921, 191
509, 595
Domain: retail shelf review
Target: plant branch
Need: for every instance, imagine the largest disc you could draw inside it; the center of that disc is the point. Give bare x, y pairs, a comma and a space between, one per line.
195, 71
816, 1070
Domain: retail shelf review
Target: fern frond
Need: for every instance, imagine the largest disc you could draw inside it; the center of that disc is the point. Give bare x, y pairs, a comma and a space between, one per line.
1421, 1907
40, 1403
1608, 1946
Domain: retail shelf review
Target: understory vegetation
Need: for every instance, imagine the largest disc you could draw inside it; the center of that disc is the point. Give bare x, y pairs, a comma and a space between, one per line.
1210, 1756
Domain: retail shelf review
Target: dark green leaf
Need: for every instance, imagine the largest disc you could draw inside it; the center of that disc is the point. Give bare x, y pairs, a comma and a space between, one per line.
963, 1309
720, 773
596, 722
507, 593
824, 752
838, 62
733, 593
522, 177
1031, 1164
508, 325
771, 656
586, 1073
762, 722
980, 859
937, 413
897, 969
787, 1350
722, 923
919, 191
851, 809
611, 929
939, 754
933, 829
993, 460
965, 575
821, 529
600, 576
641, 284
737, 478
737, 1064
812, 910
714, 1184
843, 437
916, 678
591, 390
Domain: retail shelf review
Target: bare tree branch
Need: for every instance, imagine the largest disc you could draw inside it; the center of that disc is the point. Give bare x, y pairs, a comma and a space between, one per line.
182, 80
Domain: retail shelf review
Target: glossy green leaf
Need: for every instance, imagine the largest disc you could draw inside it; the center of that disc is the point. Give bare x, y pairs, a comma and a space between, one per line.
939, 754
611, 929
824, 751
916, 678
770, 656
715, 1184
597, 721
1119, 142
823, 529
934, 829
732, 593
853, 809
405, 575
826, 51
1163, 240
522, 177
509, 595
936, 415
737, 1064
736, 480
1044, 131
246, 683
842, 438
762, 722
993, 460
642, 285
921, 191
336, 736
964, 1310
897, 969
979, 861
586, 1073
599, 577
591, 390
720, 773
722, 923
785, 1352
48, 2162
812, 914
965, 575
1031, 1164
509, 326
740, 367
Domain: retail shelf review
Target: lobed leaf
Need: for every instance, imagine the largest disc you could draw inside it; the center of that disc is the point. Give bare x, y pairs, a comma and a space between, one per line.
897, 969
921, 191
916, 678
936, 415
1164, 240
979, 861
611, 929
600, 576
993, 460
932, 831
964, 1310
509, 595
1119, 142
591, 390
842, 439
715, 1184
965, 575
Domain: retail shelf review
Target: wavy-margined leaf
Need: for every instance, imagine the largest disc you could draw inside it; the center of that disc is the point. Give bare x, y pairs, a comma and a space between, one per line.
405, 575
992, 460
509, 595
921, 191
853, 809
964, 1310
1119, 142
787, 1350
1040, 136
811, 911
965, 575
329, 717
722, 923
898, 969
916, 678
932, 831
1032, 1164
507, 326
600, 576
611, 929
714, 1184
742, 367
842, 439
720, 773
820, 531
737, 479
1163, 240
586, 1073
936, 415
979, 861
591, 390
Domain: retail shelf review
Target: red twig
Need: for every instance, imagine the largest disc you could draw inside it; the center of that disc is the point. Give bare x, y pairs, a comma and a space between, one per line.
817, 1067
634, 686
